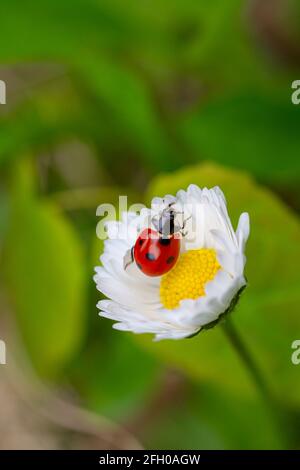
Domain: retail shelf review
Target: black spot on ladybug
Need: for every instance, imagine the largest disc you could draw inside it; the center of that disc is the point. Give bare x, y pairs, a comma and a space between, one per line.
139, 266
170, 259
165, 241
150, 256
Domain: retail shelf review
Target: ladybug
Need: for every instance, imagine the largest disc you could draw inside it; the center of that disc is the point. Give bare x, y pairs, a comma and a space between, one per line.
156, 251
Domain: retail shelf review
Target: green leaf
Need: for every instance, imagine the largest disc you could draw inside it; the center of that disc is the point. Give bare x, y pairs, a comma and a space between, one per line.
249, 131
39, 121
119, 386
267, 315
57, 29
45, 276
128, 104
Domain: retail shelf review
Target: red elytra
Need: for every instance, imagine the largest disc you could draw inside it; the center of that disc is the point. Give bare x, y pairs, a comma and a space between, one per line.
155, 255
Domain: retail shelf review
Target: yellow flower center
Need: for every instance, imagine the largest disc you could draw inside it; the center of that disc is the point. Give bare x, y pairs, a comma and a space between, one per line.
188, 278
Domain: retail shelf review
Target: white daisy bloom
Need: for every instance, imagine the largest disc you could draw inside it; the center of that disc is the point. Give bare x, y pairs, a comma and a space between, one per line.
203, 284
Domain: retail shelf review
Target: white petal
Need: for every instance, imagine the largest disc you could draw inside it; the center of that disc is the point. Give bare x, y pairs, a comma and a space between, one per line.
243, 230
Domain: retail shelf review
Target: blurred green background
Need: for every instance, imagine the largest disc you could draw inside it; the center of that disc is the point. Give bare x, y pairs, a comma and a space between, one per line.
107, 97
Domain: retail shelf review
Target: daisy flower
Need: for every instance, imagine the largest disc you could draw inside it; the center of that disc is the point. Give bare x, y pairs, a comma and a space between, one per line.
202, 286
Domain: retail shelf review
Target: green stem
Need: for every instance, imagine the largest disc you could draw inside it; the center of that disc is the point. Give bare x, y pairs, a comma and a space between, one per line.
285, 418
248, 360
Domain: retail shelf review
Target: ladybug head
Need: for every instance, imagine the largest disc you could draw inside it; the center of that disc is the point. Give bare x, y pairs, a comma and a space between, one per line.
165, 223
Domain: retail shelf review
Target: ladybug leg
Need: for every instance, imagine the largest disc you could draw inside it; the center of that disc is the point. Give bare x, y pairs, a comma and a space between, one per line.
180, 213
155, 222
185, 221
178, 228
181, 229
128, 258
